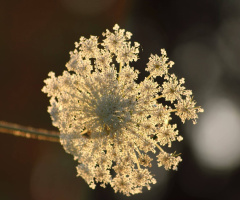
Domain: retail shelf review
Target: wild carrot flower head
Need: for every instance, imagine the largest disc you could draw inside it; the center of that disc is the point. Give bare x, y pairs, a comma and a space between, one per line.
108, 121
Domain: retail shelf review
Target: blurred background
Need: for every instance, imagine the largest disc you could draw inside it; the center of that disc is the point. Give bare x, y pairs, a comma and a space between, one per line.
201, 37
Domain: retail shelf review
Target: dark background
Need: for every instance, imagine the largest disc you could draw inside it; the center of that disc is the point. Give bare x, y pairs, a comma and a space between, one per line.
202, 37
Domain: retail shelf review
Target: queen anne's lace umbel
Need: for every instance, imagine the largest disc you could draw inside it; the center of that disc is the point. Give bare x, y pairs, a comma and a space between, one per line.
109, 121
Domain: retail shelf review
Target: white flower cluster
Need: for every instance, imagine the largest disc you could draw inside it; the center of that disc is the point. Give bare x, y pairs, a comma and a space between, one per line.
109, 122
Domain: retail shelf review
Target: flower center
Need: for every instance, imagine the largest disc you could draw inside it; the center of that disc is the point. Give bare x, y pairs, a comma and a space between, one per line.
111, 112
107, 112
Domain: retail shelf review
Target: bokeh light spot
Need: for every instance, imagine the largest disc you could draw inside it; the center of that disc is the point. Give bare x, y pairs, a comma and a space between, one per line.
216, 139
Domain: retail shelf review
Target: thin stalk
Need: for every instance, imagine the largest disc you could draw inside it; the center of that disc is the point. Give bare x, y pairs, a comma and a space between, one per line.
29, 132
119, 71
158, 97
160, 148
139, 153
149, 76
136, 158
84, 132
195, 108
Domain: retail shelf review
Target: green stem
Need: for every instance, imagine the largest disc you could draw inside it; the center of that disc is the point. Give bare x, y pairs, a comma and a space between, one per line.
28, 132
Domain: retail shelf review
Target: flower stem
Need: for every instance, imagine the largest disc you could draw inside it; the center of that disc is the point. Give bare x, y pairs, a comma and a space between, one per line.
158, 97
160, 148
28, 132
120, 69
150, 75
136, 158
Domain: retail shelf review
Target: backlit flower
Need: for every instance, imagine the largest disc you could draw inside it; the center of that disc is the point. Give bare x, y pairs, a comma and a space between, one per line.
109, 121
